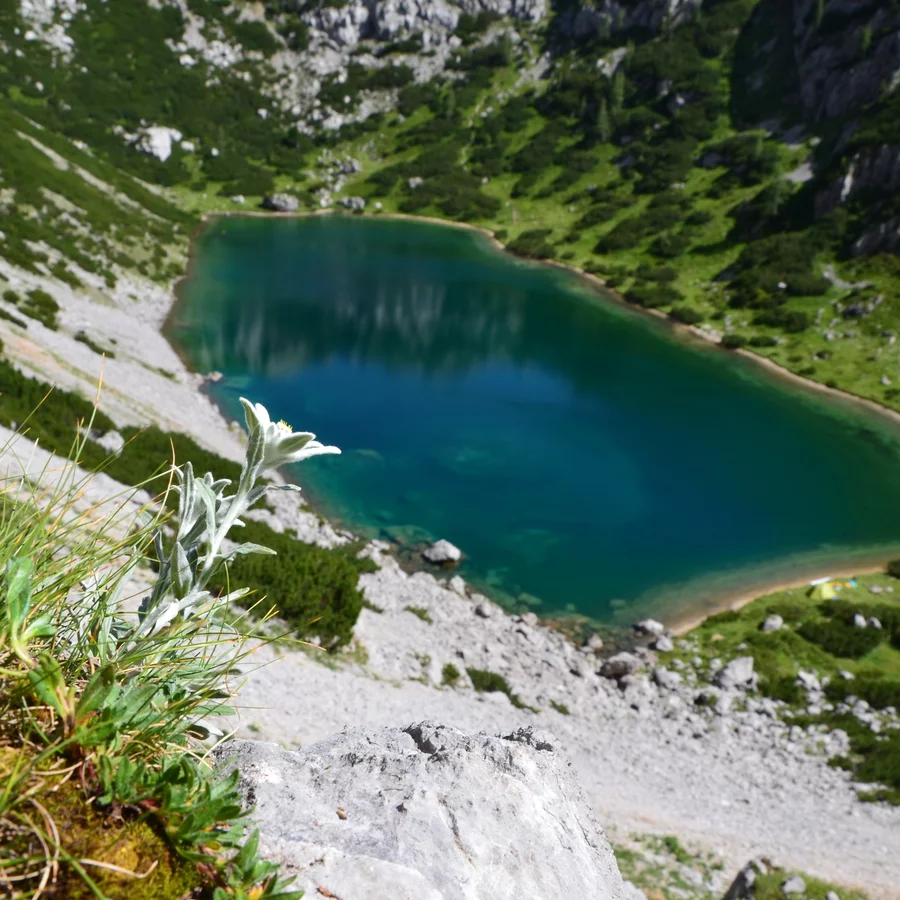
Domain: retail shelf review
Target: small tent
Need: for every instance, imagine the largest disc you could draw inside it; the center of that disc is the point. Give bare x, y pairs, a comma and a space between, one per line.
825, 590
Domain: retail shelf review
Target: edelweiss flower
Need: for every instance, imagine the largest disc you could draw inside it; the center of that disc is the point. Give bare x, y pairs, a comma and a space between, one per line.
281, 444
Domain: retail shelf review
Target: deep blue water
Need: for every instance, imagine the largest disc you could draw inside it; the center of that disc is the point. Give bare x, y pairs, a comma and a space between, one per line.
574, 450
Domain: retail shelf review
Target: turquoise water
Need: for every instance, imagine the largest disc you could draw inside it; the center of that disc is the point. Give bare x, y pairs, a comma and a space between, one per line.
574, 450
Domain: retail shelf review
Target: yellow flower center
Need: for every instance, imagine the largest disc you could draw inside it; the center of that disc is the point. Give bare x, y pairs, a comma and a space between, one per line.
284, 428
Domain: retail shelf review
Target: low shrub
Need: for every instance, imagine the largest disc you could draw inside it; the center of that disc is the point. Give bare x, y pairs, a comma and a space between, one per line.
9, 317
763, 340
686, 314
733, 341
784, 689
723, 618
840, 639
314, 590
653, 296
532, 244
486, 682
450, 675
85, 339
879, 693
39, 305
255, 36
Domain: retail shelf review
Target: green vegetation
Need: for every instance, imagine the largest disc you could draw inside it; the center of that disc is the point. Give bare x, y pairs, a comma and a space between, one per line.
420, 612
665, 869
450, 675
103, 715
561, 708
39, 305
598, 170
314, 590
85, 339
487, 682
819, 636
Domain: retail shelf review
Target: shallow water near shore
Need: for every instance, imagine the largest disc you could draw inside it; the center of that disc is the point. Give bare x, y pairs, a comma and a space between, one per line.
575, 450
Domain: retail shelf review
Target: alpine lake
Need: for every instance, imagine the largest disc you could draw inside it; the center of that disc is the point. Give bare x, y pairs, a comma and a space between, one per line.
585, 458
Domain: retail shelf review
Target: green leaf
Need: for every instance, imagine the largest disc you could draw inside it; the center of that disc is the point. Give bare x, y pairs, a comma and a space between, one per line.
297, 441
256, 452
48, 683
248, 548
99, 689
204, 492
182, 576
42, 626
135, 700
18, 590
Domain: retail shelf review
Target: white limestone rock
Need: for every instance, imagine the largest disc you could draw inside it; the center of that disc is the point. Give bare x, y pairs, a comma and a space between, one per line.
650, 626
737, 673
620, 665
428, 812
442, 553
157, 140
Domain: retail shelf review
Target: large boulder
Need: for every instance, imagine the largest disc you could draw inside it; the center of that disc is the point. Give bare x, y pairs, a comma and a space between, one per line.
281, 203
736, 674
744, 886
442, 553
427, 812
620, 665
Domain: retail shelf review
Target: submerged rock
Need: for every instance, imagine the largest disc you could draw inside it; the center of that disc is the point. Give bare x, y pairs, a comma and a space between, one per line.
650, 626
442, 552
428, 812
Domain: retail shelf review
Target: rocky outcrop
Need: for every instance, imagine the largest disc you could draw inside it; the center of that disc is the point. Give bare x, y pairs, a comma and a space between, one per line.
609, 16
882, 238
874, 168
846, 56
428, 812
434, 20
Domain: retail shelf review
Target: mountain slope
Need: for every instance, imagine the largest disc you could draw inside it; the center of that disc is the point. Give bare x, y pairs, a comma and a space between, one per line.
733, 163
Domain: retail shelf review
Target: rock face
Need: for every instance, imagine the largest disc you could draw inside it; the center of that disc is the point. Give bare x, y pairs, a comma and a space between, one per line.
281, 203
609, 16
838, 76
426, 812
435, 20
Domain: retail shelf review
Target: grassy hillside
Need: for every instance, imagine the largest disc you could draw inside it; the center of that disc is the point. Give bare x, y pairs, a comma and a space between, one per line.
858, 668
664, 174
